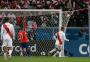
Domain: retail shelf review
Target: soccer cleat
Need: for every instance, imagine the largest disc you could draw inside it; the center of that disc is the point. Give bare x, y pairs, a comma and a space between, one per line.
21, 54
5, 56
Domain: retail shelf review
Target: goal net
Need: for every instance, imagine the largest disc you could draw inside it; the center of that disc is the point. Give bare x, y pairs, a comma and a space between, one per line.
41, 24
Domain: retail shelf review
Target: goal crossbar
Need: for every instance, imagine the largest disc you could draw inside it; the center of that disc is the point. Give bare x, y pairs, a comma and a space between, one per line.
29, 10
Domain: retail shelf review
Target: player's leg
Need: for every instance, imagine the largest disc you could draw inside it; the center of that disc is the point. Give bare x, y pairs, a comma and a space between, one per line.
53, 51
58, 50
22, 49
28, 51
10, 48
4, 49
25, 47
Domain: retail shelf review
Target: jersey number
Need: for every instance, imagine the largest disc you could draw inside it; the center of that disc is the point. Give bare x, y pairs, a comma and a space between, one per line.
21, 36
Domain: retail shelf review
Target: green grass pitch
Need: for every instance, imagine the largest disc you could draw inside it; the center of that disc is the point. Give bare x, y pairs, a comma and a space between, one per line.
45, 59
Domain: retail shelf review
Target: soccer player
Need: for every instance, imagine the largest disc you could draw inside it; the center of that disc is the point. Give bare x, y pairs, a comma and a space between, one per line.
59, 38
7, 36
24, 41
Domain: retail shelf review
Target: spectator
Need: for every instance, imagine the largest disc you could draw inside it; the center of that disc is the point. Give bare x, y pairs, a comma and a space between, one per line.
44, 4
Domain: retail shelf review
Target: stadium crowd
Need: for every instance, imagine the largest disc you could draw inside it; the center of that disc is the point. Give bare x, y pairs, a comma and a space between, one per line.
44, 4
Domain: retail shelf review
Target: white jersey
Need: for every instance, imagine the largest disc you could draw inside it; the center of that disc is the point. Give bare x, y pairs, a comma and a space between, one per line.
62, 37
4, 34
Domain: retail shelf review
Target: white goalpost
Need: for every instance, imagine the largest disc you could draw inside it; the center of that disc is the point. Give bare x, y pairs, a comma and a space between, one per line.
89, 27
64, 17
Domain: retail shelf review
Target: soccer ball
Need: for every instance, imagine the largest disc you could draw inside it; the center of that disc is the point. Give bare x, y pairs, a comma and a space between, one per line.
43, 53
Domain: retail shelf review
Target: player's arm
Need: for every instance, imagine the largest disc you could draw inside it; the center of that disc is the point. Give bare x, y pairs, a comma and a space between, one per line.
55, 36
13, 30
64, 36
1, 32
27, 35
20, 36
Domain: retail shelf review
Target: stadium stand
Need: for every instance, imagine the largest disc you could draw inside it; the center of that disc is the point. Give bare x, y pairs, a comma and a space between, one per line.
44, 4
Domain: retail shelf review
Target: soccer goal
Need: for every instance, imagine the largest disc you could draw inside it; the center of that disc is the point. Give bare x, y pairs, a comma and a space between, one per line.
49, 21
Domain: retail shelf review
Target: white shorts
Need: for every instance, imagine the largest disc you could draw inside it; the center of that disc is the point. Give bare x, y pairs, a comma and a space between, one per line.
7, 42
59, 47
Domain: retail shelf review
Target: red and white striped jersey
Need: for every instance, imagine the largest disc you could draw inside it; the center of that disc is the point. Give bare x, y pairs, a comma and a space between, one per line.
5, 34
60, 37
